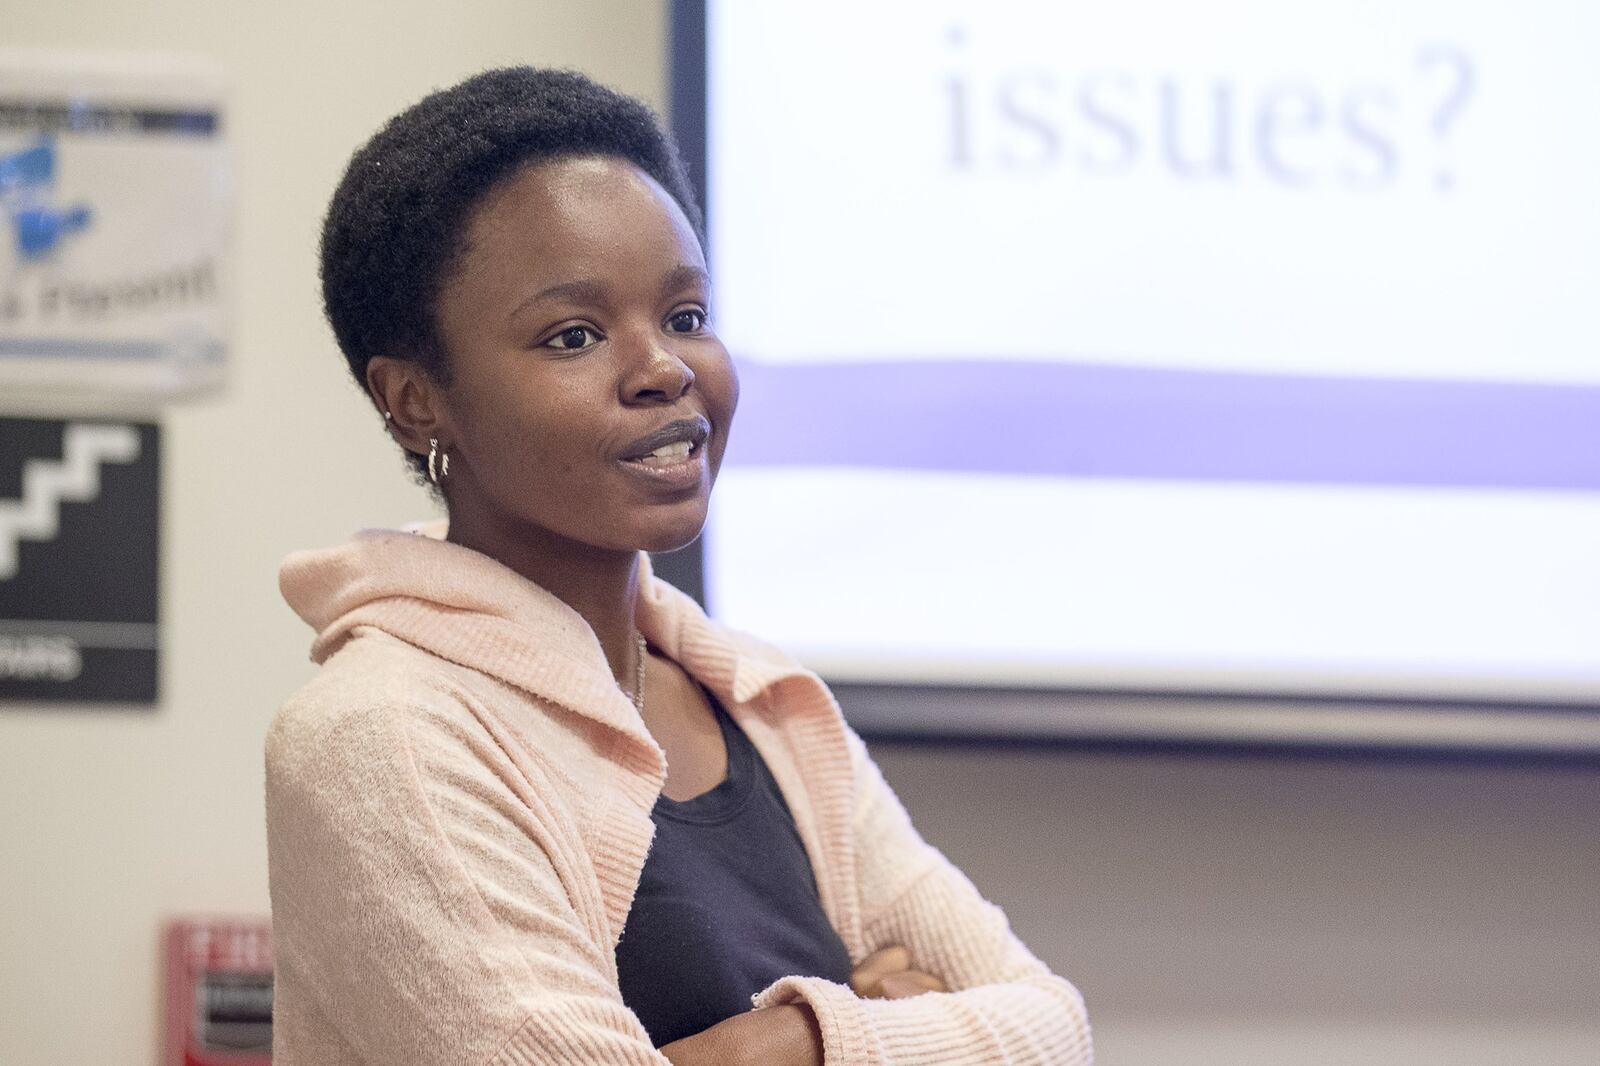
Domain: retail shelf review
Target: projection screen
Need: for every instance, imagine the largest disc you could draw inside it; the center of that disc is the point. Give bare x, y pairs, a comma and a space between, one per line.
1225, 369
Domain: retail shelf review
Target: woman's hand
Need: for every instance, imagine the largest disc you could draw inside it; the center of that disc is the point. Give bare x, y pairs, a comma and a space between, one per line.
788, 1035
772, 1036
887, 974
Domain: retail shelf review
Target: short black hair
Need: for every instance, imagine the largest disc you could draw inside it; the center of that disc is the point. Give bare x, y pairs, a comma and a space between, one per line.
396, 225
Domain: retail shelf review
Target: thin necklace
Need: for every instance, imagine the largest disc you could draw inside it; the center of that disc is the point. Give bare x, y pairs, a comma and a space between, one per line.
638, 675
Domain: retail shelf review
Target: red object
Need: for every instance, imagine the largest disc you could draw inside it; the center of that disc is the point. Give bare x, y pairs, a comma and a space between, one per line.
219, 992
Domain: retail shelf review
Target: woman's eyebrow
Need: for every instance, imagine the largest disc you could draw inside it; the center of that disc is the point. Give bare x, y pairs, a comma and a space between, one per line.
582, 291
586, 291
683, 277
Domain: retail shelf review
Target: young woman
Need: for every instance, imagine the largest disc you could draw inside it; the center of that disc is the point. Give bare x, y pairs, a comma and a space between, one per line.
536, 808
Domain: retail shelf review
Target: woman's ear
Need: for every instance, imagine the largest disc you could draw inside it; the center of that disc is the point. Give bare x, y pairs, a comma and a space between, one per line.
409, 401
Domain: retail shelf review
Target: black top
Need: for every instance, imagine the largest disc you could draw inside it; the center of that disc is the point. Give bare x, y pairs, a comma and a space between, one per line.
727, 903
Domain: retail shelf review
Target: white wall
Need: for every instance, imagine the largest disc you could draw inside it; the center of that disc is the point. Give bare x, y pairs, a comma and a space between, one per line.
111, 820
1214, 910
1267, 910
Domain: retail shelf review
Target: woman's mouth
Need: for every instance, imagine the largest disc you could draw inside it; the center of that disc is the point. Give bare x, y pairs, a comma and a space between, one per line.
668, 455
673, 456
676, 467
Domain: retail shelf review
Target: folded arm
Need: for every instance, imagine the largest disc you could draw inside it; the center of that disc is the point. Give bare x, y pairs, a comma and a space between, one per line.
1004, 1004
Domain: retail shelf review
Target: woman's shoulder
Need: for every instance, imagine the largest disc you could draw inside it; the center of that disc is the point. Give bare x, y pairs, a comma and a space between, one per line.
379, 698
372, 674
408, 724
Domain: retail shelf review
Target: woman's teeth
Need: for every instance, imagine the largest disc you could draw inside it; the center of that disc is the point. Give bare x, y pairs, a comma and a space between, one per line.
667, 454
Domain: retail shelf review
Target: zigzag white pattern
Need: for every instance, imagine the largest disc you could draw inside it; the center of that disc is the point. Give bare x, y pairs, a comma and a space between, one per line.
47, 484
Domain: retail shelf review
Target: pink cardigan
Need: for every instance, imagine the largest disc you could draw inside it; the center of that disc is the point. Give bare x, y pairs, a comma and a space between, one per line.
458, 808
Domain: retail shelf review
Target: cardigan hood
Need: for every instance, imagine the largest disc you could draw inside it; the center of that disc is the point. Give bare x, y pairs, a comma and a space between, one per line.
467, 608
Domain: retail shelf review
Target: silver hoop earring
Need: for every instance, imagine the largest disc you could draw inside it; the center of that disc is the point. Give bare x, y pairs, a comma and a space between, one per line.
438, 464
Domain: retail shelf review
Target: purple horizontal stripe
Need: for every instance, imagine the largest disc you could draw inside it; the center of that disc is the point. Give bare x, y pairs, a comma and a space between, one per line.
1080, 420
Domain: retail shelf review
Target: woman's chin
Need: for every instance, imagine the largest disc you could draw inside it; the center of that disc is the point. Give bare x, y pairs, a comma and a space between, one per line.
672, 528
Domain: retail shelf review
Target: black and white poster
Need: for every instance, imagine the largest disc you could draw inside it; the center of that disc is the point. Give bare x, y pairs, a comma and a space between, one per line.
79, 560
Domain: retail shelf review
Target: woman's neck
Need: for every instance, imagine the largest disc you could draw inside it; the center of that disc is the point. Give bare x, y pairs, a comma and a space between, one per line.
602, 585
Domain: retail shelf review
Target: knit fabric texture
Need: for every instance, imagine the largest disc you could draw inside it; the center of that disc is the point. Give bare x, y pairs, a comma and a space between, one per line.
458, 809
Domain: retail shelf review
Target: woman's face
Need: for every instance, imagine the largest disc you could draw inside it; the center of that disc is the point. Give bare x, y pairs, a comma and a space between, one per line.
589, 397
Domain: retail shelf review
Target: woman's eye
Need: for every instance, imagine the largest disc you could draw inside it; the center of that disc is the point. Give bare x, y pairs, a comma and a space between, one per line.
573, 337
691, 320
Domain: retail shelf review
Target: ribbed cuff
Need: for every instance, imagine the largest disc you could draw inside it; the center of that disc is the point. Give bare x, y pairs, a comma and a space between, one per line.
1026, 1022
842, 1017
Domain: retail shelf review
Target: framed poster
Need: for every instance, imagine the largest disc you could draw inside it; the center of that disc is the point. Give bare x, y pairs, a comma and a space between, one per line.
116, 192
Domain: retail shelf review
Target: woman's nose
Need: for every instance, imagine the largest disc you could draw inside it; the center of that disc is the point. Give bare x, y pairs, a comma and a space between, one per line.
659, 376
